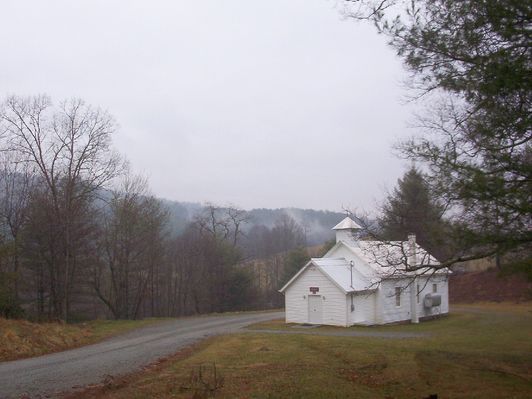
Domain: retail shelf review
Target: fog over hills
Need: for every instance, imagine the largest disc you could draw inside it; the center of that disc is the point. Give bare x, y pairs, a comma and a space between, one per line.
317, 224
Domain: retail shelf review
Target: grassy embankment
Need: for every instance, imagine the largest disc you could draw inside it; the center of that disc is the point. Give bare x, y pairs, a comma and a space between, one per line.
20, 338
479, 351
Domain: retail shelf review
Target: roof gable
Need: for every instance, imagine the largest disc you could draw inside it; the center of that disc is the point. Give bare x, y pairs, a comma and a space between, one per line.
338, 271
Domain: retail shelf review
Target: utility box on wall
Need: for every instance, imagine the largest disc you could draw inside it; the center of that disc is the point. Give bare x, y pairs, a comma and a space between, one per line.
432, 300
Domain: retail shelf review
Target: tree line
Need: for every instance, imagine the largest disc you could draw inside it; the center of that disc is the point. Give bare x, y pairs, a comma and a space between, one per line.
82, 237
469, 65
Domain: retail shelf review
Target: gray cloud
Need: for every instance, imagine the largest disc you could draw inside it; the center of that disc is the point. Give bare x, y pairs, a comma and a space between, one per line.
261, 104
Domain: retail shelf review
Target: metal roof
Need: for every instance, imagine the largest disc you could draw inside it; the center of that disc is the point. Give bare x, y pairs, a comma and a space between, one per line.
390, 258
338, 270
347, 224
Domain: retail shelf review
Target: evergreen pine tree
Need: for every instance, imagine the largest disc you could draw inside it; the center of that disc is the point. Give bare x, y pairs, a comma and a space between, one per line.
410, 208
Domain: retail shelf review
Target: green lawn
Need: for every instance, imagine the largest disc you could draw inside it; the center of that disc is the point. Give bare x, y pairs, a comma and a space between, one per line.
479, 351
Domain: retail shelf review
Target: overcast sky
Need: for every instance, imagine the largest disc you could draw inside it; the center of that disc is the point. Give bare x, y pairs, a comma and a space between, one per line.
256, 103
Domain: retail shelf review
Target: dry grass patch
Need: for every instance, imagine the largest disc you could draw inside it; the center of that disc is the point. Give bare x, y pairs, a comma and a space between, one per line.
470, 354
20, 338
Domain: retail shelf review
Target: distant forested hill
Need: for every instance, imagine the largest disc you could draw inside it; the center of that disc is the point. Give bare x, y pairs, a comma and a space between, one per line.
180, 214
316, 224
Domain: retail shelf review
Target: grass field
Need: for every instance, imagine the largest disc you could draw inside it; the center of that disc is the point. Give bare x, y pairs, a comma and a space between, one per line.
479, 351
20, 338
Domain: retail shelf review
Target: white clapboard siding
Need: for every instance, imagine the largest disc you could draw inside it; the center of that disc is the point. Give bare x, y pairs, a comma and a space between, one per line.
390, 311
364, 312
426, 287
296, 298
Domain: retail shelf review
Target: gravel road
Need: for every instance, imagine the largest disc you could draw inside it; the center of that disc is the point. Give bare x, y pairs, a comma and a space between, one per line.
48, 375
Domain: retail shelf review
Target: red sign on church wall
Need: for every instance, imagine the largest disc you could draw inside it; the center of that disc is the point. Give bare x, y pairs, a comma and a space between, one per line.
314, 290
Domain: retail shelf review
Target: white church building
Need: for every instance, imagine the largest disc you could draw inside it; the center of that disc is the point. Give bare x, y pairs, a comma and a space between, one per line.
367, 283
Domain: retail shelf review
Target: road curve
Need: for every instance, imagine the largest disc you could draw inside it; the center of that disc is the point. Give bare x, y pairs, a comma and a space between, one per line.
49, 375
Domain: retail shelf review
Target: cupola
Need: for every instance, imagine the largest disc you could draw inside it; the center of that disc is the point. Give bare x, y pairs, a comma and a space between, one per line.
346, 230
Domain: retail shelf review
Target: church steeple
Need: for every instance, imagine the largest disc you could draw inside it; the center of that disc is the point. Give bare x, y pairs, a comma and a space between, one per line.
346, 229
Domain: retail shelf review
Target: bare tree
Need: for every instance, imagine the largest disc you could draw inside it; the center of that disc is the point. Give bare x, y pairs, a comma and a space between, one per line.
205, 276
287, 234
269, 255
70, 149
132, 249
399, 258
222, 223
16, 182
